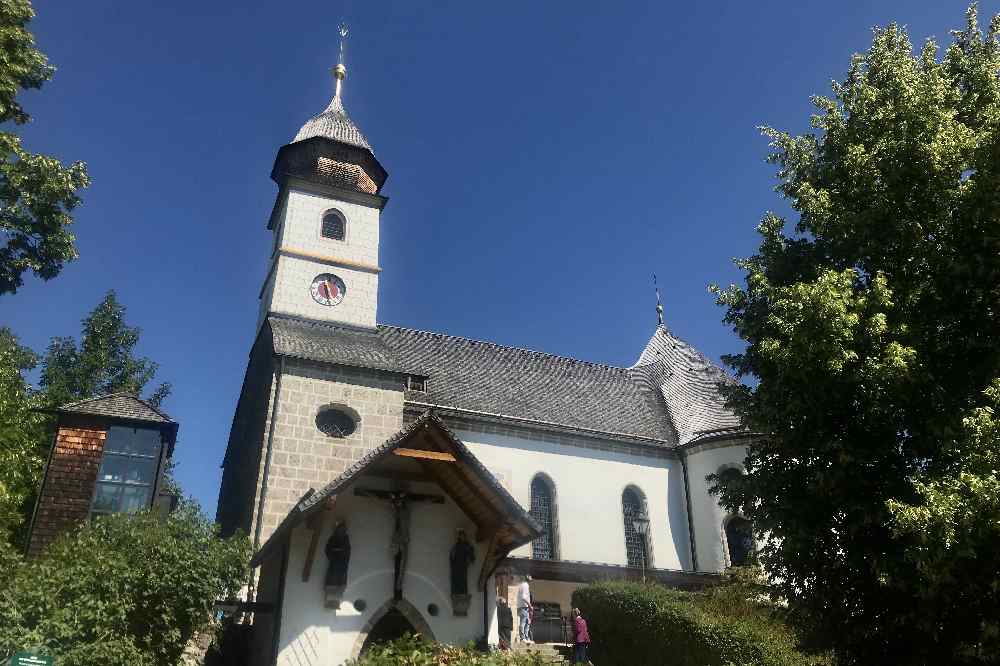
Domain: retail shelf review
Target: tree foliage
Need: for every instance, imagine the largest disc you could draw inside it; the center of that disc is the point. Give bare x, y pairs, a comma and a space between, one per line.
37, 193
103, 362
126, 589
22, 434
870, 330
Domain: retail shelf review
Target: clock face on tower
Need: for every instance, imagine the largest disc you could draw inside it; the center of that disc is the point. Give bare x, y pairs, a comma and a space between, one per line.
327, 289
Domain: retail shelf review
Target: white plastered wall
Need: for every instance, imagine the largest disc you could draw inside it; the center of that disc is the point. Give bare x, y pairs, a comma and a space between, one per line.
589, 482
709, 517
312, 634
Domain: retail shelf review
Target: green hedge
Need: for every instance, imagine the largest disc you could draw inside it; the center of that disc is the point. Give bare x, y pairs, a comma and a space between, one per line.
414, 651
635, 624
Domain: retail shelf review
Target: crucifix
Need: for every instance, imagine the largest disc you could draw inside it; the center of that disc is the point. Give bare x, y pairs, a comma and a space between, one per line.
400, 503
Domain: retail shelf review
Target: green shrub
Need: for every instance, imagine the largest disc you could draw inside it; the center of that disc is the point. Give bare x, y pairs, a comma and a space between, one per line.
125, 589
635, 624
414, 651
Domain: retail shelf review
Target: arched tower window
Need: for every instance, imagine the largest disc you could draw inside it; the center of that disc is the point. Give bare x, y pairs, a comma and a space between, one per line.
636, 539
543, 510
739, 541
334, 226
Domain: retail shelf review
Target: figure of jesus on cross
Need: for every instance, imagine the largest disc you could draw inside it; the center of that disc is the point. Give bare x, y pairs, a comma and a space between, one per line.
400, 503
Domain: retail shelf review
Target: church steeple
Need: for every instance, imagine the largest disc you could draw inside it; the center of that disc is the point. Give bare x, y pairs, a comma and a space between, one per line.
324, 259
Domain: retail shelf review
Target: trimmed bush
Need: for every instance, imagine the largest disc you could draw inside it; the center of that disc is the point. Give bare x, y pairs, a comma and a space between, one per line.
636, 624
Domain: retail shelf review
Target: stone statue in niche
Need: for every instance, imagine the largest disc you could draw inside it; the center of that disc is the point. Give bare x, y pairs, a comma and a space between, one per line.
462, 555
338, 552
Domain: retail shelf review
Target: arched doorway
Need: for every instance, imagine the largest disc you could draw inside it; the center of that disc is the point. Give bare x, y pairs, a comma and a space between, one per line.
391, 621
391, 626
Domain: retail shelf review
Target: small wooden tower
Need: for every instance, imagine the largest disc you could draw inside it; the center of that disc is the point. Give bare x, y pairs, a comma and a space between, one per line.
107, 456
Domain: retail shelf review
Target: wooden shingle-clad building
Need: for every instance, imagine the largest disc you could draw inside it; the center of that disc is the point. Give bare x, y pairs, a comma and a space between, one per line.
108, 456
400, 480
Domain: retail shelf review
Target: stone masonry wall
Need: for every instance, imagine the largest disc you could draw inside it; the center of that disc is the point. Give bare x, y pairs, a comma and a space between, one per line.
69, 484
303, 457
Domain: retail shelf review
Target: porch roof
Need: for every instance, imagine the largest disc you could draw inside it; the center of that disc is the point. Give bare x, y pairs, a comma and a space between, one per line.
441, 458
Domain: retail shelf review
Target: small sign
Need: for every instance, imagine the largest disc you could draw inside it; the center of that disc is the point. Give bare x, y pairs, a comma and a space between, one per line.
28, 659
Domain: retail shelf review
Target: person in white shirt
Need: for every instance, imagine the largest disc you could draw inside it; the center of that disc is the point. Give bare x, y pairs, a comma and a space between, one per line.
524, 609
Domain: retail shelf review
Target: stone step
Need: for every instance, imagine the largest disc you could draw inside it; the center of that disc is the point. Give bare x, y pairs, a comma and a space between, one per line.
551, 653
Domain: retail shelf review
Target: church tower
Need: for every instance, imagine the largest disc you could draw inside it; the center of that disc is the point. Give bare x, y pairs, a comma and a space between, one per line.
325, 221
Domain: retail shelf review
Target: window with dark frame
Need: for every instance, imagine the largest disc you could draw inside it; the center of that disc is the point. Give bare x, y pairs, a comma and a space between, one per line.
129, 466
543, 510
336, 422
333, 226
636, 548
739, 539
415, 383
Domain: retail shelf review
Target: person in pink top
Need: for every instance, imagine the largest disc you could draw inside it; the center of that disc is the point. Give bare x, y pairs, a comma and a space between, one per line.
581, 638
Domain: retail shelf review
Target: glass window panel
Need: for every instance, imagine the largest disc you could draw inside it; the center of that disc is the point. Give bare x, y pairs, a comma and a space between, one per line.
135, 498
134, 441
635, 543
107, 497
542, 548
140, 470
113, 468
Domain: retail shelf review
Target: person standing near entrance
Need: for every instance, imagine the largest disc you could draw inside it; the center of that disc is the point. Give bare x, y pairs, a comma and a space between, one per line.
505, 623
581, 638
524, 610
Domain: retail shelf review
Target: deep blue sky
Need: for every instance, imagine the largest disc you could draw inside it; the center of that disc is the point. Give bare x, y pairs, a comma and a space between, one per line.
544, 160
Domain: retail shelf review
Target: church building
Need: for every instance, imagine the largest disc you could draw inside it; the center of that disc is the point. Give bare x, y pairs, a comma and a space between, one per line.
396, 480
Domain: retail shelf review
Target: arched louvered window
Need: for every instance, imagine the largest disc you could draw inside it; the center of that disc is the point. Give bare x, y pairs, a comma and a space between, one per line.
543, 510
334, 226
636, 542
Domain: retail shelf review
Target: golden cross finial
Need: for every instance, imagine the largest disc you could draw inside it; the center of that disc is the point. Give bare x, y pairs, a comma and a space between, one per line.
659, 305
340, 71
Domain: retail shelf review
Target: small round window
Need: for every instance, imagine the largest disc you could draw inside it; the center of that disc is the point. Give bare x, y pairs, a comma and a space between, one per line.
333, 226
336, 422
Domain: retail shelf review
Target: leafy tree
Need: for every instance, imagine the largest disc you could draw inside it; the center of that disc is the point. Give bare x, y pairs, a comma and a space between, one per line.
22, 454
870, 330
37, 193
126, 589
104, 362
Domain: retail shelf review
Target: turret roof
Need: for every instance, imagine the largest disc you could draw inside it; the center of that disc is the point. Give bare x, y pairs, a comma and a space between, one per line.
334, 124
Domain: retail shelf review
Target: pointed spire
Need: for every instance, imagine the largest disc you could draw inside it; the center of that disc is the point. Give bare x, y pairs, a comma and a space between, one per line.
334, 123
659, 305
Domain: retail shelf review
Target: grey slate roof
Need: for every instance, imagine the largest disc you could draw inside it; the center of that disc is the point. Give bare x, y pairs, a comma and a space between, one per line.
506, 381
669, 397
119, 405
333, 123
689, 384
328, 343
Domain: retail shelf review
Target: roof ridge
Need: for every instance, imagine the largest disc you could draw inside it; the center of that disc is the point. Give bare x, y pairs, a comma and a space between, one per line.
510, 347
99, 397
113, 394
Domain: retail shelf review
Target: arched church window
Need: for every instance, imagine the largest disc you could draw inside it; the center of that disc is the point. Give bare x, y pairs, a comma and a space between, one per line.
543, 510
636, 528
739, 541
334, 226
336, 421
